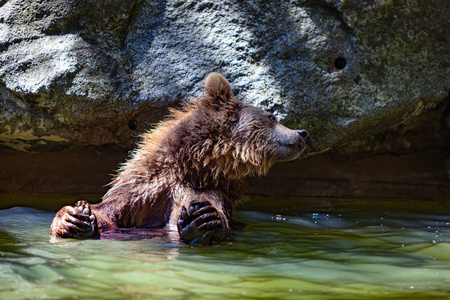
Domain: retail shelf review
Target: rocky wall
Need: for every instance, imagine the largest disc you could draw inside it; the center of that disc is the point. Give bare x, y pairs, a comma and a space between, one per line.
96, 72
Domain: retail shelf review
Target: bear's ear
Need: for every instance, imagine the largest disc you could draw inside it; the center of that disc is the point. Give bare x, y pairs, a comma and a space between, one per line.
218, 88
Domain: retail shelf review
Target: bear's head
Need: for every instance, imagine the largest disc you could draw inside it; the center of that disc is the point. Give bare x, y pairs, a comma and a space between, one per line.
218, 139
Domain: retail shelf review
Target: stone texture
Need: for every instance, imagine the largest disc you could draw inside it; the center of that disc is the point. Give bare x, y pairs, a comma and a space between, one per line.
97, 72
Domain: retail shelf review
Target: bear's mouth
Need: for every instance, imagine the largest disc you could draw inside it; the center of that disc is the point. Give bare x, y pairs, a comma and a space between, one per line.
287, 145
300, 145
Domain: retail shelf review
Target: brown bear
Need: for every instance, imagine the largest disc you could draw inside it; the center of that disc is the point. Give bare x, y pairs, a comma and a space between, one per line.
187, 174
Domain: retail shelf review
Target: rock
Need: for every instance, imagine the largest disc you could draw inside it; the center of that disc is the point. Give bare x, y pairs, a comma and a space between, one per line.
97, 72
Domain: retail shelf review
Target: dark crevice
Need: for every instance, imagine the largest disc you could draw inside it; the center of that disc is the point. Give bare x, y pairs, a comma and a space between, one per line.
340, 63
132, 124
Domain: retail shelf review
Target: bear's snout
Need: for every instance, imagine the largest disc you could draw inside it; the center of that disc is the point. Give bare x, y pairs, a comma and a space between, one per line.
304, 136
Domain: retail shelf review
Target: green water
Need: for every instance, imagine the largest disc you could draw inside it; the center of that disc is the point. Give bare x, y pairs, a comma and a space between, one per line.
304, 249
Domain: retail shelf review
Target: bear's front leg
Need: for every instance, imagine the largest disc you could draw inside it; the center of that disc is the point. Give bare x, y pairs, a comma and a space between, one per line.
75, 222
203, 224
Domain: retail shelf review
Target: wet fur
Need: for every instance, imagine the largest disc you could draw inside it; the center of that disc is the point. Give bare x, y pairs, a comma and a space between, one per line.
201, 152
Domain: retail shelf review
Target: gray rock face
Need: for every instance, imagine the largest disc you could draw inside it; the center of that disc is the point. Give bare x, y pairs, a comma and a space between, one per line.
94, 72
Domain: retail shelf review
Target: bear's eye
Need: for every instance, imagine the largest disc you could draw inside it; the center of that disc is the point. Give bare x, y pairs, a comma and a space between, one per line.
273, 118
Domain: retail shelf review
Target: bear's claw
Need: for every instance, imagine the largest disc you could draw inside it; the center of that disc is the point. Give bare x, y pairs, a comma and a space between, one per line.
75, 222
202, 224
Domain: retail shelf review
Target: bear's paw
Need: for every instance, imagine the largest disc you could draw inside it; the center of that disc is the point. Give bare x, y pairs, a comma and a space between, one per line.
202, 223
75, 222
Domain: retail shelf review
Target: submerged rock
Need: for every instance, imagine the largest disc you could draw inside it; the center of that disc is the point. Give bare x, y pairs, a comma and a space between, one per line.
97, 72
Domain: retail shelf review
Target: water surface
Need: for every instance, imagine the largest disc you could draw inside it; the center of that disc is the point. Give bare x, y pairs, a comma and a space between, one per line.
304, 249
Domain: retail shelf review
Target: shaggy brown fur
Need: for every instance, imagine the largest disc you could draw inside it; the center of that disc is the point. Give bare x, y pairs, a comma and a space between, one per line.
199, 154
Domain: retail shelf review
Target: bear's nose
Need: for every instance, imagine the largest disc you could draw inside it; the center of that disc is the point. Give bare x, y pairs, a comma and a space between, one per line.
304, 135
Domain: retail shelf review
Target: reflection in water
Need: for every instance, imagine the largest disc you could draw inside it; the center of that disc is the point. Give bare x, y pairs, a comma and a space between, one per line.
338, 251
